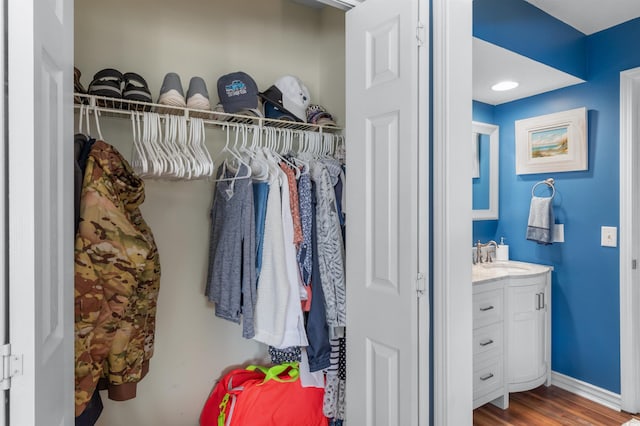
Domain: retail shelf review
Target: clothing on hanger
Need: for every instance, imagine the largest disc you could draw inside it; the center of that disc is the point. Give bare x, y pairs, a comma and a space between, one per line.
231, 280
319, 349
117, 279
305, 250
330, 250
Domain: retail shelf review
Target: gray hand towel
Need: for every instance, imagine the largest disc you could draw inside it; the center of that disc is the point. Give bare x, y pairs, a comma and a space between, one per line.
539, 228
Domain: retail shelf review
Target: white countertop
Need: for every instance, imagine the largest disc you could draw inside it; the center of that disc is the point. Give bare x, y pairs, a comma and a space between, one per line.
483, 272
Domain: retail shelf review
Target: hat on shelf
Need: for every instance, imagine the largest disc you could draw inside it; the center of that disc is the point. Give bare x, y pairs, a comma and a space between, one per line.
272, 110
317, 114
237, 91
288, 99
249, 112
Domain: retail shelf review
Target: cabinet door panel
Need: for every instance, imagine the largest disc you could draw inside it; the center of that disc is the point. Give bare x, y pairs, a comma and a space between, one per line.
526, 335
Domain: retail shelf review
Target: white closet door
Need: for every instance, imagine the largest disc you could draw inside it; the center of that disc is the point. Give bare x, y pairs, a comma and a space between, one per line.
383, 230
40, 125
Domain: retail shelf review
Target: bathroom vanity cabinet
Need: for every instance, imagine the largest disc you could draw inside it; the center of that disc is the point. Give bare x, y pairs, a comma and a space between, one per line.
511, 330
528, 330
488, 343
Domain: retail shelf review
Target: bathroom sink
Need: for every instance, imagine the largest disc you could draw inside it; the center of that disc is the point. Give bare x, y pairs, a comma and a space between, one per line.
506, 266
482, 272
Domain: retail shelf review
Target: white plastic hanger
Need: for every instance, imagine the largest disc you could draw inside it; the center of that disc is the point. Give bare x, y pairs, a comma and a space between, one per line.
96, 114
80, 118
139, 160
148, 136
169, 142
259, 166
208, 167
194, 145
183, 141
227, 149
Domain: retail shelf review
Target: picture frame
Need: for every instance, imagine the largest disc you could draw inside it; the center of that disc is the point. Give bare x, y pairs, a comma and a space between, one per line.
552, 143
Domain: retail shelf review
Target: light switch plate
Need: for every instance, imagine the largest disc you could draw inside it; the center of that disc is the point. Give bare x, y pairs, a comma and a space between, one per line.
558, 233
609, 236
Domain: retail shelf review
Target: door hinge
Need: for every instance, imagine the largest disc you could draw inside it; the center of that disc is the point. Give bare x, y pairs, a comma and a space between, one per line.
634, 264
421, 34
11, 366
421, 286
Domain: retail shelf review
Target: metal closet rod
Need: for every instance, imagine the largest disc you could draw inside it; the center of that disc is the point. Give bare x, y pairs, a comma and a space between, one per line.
124, 107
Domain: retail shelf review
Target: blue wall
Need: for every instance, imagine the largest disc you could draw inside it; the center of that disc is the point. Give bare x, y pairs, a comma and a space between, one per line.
523, 28
585, 284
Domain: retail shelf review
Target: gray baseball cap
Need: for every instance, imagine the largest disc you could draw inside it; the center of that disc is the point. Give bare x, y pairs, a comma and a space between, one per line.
237, 91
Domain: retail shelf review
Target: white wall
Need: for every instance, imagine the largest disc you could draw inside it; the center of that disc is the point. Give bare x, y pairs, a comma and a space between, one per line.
265, 38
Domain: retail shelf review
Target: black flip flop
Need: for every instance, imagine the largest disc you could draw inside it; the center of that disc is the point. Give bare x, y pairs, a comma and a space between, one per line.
136, 89
107, 83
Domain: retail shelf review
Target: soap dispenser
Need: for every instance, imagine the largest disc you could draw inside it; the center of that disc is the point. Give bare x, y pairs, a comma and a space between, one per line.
502, 251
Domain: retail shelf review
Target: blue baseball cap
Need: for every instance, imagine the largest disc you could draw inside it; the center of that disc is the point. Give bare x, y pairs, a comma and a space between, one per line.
237, 91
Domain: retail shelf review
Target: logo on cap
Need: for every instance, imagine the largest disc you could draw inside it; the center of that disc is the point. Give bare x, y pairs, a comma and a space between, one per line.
236, 88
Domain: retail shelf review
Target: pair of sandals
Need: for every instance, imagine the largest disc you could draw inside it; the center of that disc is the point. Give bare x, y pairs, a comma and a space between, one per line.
130, 86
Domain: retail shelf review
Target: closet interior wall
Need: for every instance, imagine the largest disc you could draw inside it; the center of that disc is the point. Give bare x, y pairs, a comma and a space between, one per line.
266, 39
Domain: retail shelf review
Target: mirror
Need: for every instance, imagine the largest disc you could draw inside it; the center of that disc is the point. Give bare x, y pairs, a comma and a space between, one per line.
485, 143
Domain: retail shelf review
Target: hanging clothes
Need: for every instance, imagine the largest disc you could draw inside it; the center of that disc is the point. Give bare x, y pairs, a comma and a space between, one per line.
330, 250
231, 281
278, 319
334, 404
260, 192
117, 279
305, 251
81, 147
319, 350
294, 204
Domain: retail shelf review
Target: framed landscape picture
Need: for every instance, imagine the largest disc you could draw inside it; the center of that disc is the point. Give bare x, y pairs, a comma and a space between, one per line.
552, 143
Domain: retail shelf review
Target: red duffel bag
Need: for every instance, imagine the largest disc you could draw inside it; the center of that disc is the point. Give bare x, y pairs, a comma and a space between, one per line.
263, 396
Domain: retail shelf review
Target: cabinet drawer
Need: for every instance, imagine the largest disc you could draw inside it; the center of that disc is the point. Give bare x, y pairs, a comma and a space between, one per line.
487, 308
487, 376
488, 338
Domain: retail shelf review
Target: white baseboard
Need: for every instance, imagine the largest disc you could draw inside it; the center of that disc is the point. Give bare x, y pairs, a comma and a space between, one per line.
586, 390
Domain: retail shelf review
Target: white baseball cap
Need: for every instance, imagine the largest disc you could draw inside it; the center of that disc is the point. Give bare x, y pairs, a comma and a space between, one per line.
291, 95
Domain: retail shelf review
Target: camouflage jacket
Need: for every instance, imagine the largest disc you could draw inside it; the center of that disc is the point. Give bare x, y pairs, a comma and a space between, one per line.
117, 278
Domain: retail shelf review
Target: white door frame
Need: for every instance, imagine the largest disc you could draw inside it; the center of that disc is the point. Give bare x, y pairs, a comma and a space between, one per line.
4, 249
452, 234
629, 240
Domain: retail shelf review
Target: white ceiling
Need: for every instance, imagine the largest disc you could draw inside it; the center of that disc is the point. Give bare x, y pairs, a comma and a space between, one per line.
492, 64
590, 16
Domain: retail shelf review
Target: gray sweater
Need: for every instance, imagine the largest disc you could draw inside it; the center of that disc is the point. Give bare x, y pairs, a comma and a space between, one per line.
231, 280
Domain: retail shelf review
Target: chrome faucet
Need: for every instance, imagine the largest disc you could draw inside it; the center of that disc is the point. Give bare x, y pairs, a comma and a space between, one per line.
479, 245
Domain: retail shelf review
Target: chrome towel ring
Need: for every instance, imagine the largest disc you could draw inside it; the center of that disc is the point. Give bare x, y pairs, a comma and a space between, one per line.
549, 182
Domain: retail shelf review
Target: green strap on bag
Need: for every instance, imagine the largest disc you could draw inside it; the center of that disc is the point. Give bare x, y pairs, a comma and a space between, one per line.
274, 372
271, 373
223, 409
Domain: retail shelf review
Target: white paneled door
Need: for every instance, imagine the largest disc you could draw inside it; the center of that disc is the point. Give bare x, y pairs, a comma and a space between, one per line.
40, 141
385, 234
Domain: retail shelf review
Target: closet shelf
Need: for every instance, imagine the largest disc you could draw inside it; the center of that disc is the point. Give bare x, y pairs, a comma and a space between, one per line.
123, 107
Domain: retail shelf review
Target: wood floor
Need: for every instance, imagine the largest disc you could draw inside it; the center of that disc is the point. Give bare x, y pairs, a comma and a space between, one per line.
548, 407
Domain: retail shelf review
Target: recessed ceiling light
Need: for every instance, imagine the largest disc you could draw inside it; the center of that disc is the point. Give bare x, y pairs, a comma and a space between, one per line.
504, 85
